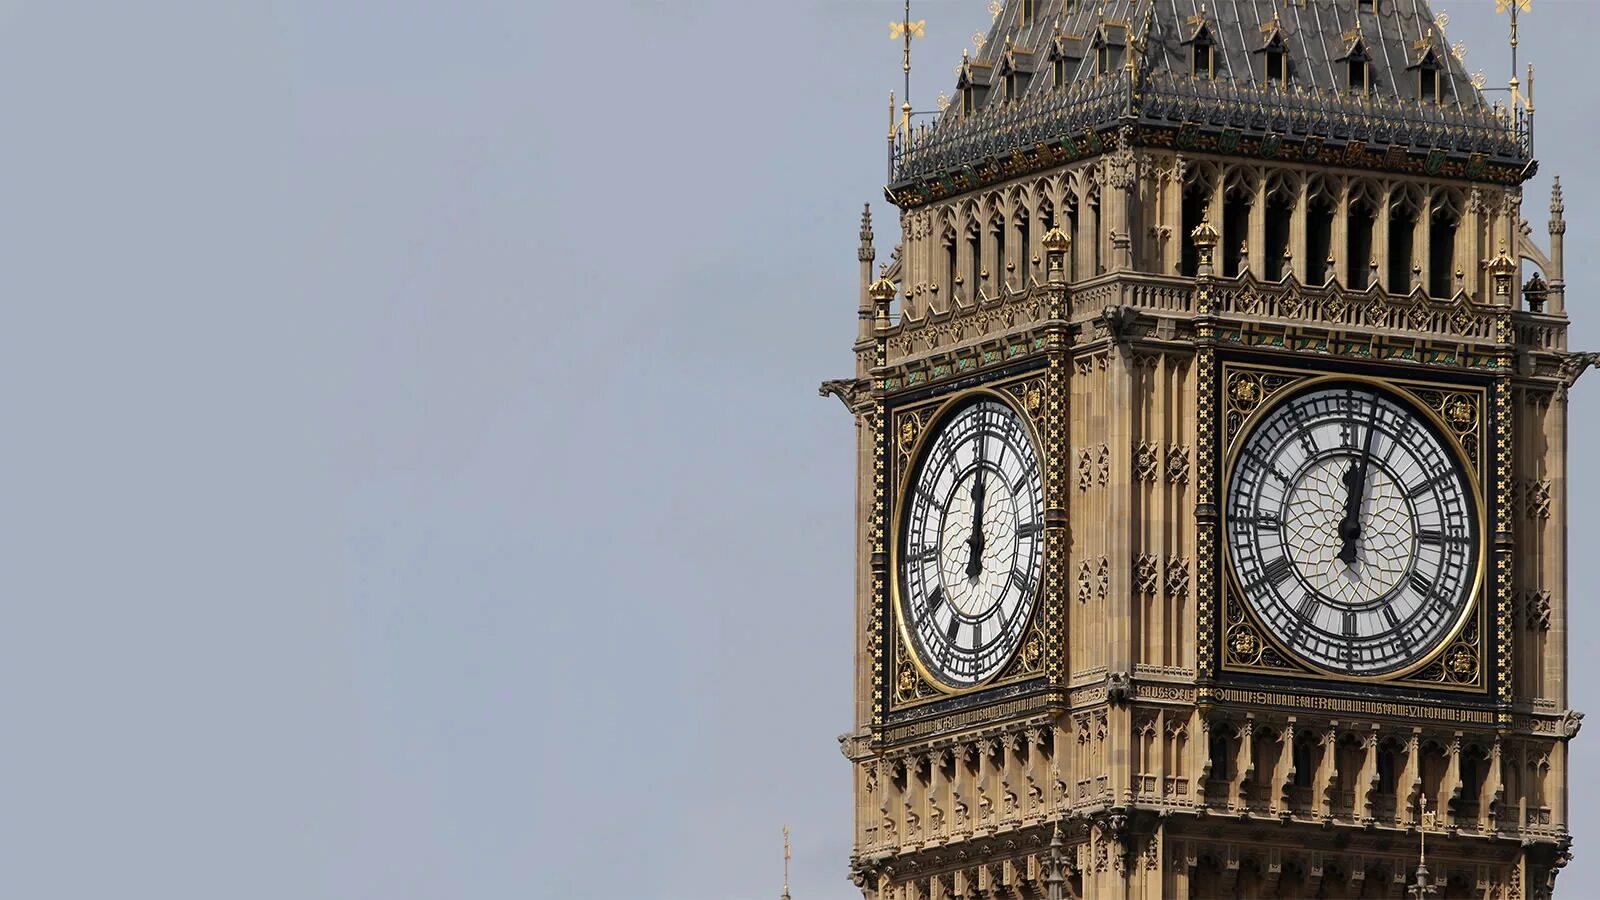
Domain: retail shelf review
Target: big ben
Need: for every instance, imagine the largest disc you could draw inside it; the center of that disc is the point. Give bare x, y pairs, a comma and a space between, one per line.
1211, 509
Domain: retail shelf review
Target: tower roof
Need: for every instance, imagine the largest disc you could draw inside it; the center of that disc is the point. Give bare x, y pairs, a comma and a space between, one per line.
1054, 69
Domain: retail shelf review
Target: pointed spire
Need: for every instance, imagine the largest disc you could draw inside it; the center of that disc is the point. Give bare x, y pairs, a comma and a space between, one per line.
1054, 879
1558, 206
865, 253
785, 863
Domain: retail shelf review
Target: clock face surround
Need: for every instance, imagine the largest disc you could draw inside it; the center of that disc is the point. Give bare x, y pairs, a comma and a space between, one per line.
971, 543
1352, 529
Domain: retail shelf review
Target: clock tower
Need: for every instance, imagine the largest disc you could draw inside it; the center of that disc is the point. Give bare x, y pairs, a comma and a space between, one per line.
1211, 438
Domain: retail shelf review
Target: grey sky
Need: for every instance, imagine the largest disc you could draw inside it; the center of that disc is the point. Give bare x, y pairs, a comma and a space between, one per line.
416, 485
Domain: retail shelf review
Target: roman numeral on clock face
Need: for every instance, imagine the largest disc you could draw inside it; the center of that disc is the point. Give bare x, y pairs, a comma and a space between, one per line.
1418, 491
1421, 585
1279, 570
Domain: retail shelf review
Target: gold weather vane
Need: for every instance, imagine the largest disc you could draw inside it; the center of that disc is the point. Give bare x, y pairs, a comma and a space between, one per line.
908, 31
1514, 6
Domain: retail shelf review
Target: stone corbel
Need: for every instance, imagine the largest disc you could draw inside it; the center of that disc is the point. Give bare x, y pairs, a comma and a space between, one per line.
1494, 790
1411, 778
1247, 765
1282, 798
1369, 773
1314, 871
1272, 873
1450, 789
1328, 773
1230, 870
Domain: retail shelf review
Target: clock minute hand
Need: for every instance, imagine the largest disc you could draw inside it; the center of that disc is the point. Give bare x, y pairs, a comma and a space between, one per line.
1355, 480
975, 542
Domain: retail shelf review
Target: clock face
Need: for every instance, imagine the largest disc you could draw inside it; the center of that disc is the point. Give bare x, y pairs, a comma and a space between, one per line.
1352, 530
970, 548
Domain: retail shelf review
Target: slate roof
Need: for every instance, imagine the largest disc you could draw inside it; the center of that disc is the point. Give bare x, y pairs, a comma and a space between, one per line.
1314, 35
1317, 36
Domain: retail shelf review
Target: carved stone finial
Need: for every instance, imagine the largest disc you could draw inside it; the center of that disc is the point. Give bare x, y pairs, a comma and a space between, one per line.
866, 253
1205, 240
1501, 268
1536, 291
1057, 244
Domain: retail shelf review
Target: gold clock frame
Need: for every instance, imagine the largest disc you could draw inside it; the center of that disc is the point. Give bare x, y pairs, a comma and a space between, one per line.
1024, 395
1473, 618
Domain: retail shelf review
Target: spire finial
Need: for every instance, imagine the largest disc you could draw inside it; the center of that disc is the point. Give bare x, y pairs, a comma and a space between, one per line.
785, 862
1054, 878
865, 252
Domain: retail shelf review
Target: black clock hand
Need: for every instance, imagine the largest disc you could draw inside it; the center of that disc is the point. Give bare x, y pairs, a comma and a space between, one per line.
1355, 480
975, 542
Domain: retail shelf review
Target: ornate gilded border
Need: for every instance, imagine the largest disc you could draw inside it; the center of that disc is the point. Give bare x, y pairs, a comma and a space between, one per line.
1464, 661
910, 685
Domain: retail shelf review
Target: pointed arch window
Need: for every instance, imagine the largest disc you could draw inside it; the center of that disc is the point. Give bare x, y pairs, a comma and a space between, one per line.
1102, 58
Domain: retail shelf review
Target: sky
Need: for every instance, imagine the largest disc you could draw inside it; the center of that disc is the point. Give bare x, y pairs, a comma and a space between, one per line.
416, 484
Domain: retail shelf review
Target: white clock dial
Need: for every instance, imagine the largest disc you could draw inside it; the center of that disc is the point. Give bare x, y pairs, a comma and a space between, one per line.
1352, 529
970, 547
